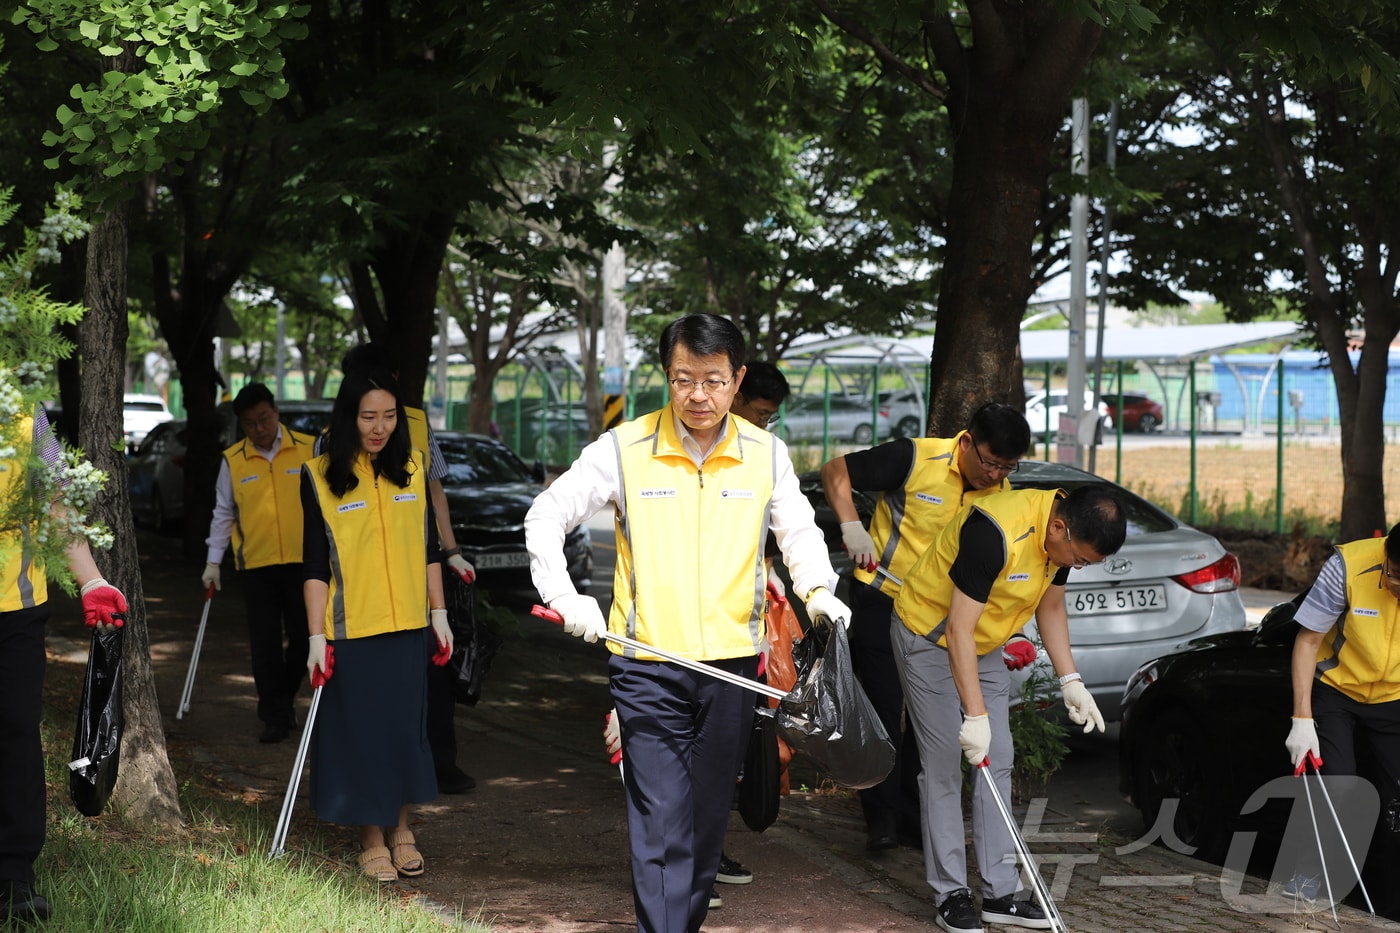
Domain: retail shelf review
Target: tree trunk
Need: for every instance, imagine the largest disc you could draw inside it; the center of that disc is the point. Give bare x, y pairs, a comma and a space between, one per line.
146, 789
406, 267
1008, 97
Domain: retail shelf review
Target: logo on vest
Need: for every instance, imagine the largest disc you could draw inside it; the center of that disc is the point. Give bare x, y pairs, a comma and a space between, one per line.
657, 493
350, 506
247, 479
925, 497
1018, 578
1373, 613
294, 471
406, 497
736, 493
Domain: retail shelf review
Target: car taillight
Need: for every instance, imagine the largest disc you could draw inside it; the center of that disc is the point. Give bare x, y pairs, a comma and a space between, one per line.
1220, 577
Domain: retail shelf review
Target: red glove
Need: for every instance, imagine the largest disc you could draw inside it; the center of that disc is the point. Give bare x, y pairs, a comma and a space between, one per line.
320, 675
612, 737
1018, 652
442, 631
103, 604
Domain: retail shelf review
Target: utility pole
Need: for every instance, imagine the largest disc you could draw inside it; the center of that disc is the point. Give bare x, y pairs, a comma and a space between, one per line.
614, 315
1078, 293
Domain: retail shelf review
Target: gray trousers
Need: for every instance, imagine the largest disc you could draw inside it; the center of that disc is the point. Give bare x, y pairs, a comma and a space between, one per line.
935, 713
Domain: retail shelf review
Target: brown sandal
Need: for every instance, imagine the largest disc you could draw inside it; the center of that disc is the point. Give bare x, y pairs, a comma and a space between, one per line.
407, 859
375, 863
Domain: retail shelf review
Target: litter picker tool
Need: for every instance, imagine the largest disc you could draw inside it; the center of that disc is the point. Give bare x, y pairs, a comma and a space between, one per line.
1038, 886
184, 706
284, 821
1311, 760
544, 612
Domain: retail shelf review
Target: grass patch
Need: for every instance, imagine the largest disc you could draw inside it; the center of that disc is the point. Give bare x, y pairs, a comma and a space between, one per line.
212, 875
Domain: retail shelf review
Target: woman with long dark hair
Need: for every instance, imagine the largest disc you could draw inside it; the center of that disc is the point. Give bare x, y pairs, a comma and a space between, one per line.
373, 591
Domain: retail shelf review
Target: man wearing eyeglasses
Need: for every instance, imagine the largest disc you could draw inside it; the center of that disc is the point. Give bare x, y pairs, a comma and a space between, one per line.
257, 506
694, 492
922, 483
999, 562
1346, 671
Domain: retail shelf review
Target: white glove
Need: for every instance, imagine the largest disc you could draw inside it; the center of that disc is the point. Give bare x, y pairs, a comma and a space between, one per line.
1302, 739
582, 616
822, 605
612, 737
442, 630
462, 567
211, 575
859, 545
975, 737
1082, 708
776, 582
316, 658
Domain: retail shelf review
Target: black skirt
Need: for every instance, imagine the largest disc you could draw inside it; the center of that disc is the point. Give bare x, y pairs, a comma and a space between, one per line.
369, 752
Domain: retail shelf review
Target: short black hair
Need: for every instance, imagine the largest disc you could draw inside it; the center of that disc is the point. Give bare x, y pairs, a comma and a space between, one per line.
1001, 429
251, 396
703, 335
1095, 515
766, 381
1392, 544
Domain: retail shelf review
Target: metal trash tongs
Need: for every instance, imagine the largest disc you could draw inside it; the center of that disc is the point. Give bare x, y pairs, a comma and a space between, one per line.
184, 706
284, 821
1311, 760
1038, 885
544, 612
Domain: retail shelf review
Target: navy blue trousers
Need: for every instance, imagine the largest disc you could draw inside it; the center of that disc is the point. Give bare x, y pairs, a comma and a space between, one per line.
277, 637
683, 740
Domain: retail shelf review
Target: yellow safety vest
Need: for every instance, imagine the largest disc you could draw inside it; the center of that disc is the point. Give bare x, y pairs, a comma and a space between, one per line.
907, 520
378, 535
1021, 516
22, 581
1360, 654
690, 575
267, 518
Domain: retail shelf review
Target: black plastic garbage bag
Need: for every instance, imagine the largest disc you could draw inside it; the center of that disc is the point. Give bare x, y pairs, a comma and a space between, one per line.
97, 744
828, 718
758, 789
474, 645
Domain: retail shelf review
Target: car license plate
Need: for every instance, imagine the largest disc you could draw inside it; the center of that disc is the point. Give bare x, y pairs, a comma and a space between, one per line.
1089, 602
497, 561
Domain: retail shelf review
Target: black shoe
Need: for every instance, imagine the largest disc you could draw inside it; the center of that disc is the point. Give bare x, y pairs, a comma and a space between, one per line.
911, 838
731, 872
879, 832
715, 900
22, 904
453, 780
1013, 913
958, 914
275, 732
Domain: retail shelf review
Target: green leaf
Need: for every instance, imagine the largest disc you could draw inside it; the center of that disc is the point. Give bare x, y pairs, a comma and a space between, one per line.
89, 30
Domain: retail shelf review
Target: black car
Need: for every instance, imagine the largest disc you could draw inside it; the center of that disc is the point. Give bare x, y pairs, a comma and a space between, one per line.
489, 490
1205, 727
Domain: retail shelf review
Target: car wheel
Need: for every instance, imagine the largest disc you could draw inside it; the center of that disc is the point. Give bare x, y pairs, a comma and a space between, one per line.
1147, 423
864, 434
909, 426
1175, 760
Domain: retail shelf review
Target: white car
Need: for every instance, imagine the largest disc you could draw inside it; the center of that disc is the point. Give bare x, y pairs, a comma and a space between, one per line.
140, 413
1059, 405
